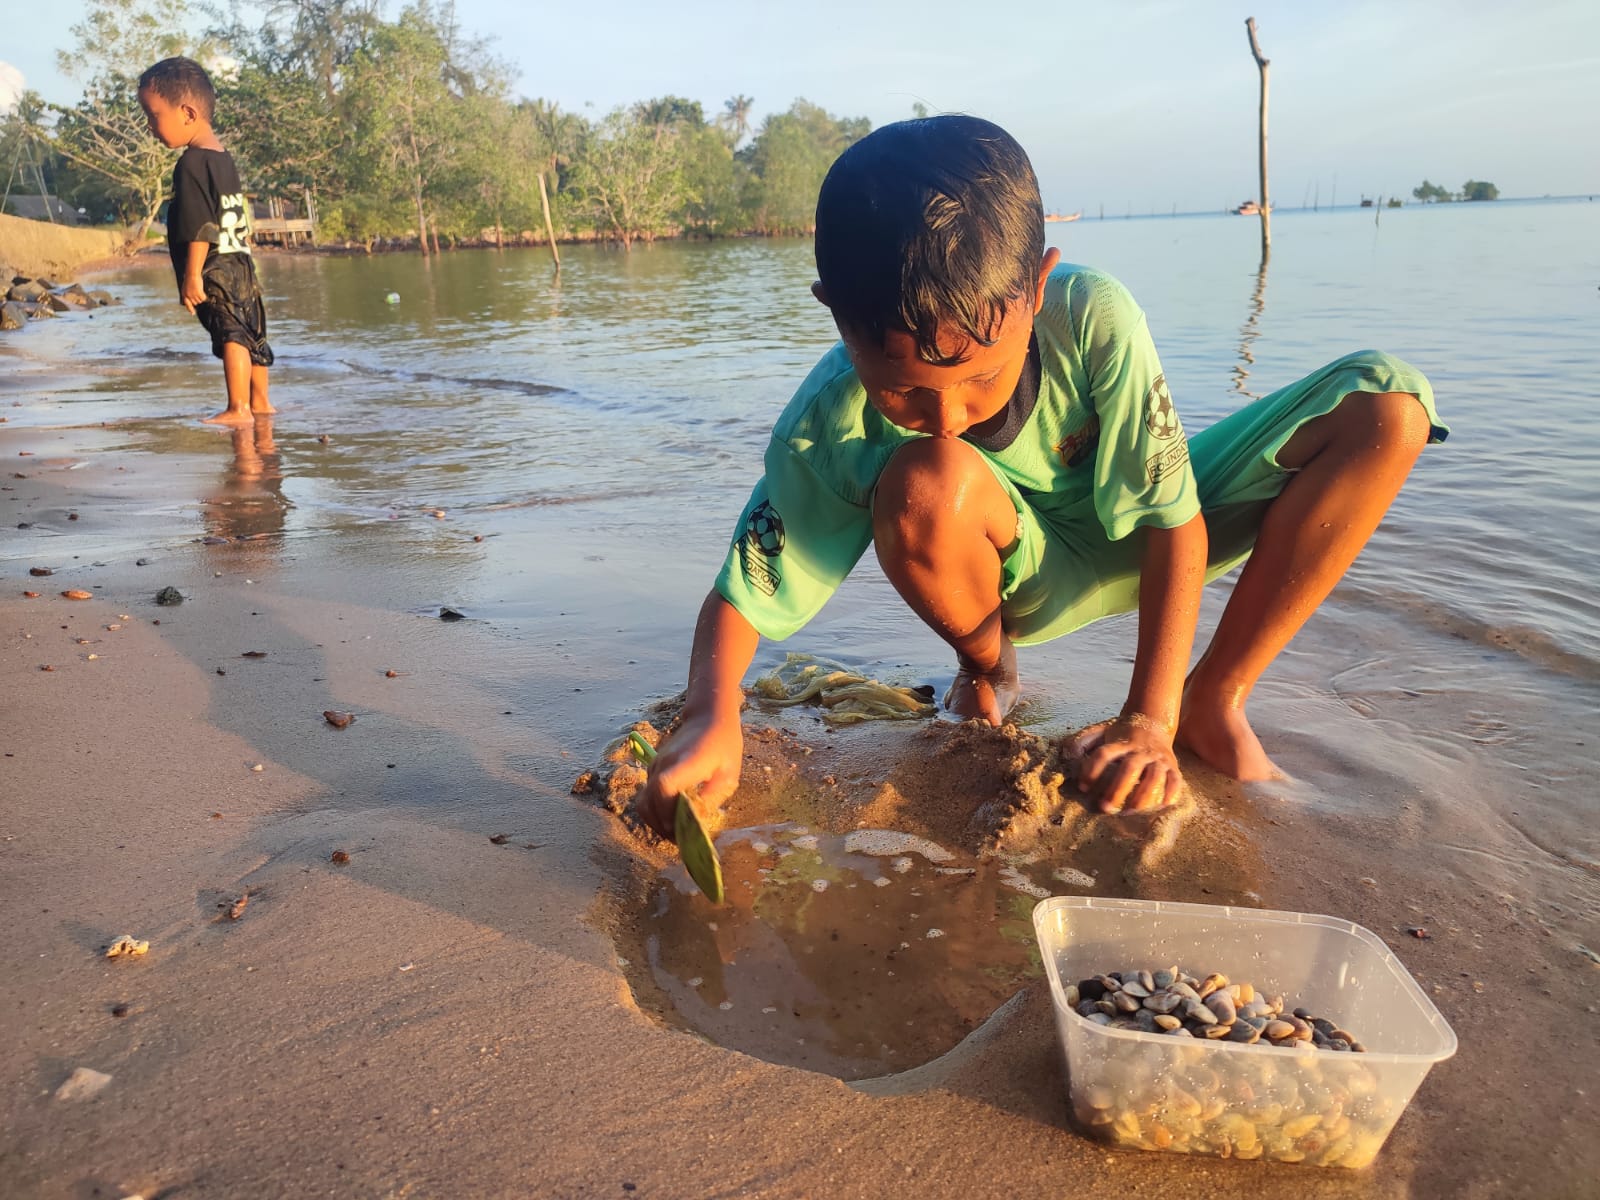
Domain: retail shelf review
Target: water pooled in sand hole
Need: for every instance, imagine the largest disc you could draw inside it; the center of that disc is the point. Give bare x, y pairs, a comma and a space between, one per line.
856, 955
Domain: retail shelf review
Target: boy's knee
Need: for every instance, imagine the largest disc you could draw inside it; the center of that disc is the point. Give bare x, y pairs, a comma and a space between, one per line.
1397, 420
927, 483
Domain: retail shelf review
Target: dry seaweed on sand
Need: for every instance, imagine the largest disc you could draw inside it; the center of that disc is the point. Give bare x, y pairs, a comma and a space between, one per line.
845, 696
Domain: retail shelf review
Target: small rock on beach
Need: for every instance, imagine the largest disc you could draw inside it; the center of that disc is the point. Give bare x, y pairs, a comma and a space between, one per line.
82, 1084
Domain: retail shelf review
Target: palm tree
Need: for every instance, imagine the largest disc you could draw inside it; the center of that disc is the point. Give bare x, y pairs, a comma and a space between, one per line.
736, 116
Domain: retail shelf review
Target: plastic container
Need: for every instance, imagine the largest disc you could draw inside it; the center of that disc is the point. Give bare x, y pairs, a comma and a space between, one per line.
1155, 1091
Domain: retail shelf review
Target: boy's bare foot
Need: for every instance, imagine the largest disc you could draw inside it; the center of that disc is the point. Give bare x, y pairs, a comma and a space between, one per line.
987, 695
263, 409
229, 416
1220, 735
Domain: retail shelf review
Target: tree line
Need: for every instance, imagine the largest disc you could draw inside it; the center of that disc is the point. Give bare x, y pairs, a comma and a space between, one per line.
409, 129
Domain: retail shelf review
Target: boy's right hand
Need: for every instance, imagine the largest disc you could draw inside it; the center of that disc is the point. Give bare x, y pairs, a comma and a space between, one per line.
705, 753
193, 292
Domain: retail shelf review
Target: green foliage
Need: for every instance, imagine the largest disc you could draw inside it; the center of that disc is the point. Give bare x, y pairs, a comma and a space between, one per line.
1478, 189
718, 183
279, 128
631, 176
1430, 193
788, 158
120, 38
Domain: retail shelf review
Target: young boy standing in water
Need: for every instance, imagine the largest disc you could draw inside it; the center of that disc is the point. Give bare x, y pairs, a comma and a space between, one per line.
996, 423
208, 233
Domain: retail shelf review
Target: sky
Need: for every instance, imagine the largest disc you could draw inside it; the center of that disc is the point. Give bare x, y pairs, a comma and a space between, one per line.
1133, 106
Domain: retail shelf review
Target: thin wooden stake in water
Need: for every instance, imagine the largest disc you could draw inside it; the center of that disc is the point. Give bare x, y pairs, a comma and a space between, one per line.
549, 229
1266, 215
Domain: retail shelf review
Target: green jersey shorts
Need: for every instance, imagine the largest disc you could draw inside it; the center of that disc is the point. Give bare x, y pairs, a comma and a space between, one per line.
1057, 579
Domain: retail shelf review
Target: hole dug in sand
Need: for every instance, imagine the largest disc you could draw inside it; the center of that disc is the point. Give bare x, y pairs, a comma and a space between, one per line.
880, 887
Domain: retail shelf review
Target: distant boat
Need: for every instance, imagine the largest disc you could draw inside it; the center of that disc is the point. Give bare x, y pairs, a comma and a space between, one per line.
1365, 203
1058, 217
1250, 209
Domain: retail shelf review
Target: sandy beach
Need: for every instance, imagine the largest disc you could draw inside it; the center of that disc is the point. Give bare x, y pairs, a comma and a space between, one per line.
452, 1010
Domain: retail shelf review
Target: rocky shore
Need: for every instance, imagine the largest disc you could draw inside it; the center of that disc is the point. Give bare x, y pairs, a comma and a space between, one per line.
37, 299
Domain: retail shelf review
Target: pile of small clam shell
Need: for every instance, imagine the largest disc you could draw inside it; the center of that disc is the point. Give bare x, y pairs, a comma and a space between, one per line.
1170, 1001
1327, 1109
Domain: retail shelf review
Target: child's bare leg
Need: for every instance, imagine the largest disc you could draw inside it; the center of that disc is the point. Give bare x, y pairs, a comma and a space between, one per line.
1351, 464
236, 371
258, 390
941, 522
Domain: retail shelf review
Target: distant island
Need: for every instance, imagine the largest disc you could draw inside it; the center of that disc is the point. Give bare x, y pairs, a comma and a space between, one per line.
1472, 189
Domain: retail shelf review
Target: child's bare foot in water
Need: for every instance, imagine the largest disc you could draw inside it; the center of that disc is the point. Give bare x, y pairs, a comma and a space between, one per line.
230, 416
1220, 735
987, 695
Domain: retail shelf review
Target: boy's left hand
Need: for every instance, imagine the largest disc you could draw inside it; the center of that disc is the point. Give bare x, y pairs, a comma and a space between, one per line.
192, 293
1128, 764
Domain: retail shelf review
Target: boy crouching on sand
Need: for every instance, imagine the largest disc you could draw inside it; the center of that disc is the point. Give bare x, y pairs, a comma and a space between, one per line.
208, 233
997, 424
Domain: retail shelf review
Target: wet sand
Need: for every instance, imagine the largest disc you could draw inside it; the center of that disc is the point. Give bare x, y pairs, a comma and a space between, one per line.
446, 1014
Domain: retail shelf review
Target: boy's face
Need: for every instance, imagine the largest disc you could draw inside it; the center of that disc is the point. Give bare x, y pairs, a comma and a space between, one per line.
173, 125
947, 401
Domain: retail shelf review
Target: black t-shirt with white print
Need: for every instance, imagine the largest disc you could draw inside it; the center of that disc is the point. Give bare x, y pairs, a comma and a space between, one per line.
208, 205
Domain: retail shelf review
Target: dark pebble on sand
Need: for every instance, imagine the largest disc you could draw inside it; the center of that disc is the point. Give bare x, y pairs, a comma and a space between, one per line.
450, 614
169, 596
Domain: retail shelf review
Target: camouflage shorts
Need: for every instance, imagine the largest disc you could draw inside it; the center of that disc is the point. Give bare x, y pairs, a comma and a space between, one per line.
233, 310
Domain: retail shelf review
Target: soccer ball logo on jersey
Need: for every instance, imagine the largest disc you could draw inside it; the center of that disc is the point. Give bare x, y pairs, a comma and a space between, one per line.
763, 540
1160, 418
764, 528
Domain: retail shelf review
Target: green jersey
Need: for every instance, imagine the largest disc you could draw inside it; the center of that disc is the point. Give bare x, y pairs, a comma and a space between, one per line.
1090, 442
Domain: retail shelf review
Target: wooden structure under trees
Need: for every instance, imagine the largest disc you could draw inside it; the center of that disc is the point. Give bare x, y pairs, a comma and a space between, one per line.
280, 226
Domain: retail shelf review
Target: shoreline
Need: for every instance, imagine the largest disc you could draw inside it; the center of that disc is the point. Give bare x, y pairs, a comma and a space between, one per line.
447, 1015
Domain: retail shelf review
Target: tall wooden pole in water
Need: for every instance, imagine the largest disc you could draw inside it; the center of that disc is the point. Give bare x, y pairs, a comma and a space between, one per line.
549, 229
1266, 215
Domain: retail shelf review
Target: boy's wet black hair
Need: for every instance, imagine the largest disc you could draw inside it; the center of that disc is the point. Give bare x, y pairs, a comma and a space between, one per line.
178, 79
927, 224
